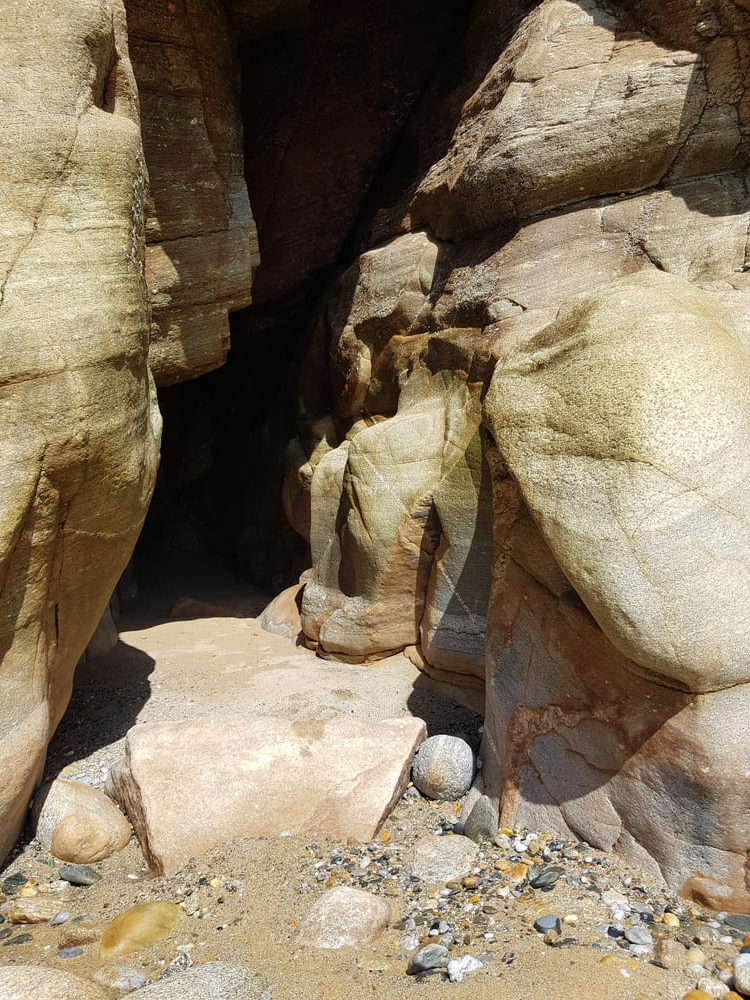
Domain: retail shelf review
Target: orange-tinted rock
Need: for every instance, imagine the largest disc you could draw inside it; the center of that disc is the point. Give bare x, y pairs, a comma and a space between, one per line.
139, 927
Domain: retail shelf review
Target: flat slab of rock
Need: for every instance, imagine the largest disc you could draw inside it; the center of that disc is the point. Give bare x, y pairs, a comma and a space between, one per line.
344, 917
190, 785
443, 859
28, 982
212, 981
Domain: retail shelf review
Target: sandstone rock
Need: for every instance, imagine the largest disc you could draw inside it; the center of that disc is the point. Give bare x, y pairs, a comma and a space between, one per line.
78, 477
78, 823
443, 767
586, 114
212, 981
27, 982
187, 786
202, 246
344, 917
367, 590
443, 859
611, 401
139, 927
576, 735
282, 616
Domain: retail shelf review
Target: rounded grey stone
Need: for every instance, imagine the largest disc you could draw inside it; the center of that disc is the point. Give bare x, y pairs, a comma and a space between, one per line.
443, 767
432, 956
638, 934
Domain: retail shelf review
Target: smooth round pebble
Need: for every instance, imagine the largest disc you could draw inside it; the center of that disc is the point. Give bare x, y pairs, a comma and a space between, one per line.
443, 767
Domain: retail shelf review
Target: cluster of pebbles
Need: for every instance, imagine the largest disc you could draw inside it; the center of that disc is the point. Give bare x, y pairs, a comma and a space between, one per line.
460, 906
525, 886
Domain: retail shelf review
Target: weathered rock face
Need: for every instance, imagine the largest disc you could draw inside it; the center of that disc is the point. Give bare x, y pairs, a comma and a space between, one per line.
202, 245
581, 231
80, 428
606, 714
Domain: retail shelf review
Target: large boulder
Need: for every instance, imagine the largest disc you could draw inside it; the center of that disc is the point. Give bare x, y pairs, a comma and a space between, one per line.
80, 427
625, 425
188, 786
617, 669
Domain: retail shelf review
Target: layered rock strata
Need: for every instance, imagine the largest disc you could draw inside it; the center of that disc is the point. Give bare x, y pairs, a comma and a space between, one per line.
201, 242
80, 428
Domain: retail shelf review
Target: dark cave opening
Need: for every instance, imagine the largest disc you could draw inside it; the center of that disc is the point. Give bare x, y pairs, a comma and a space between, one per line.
325, 101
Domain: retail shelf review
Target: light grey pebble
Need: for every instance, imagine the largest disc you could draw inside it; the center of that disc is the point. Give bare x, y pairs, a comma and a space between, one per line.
637, 934
69, 952
549, 922
432, 956
443, 767
741, 967
409, 942
60, 918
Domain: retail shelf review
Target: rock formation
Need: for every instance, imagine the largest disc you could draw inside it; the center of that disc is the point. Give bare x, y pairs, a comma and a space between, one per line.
516, 439
201, 244
573, 255
80, 428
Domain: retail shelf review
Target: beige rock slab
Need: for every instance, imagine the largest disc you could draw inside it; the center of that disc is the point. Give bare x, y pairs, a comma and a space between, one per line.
27, 982
78, 823
344, 917
190, 785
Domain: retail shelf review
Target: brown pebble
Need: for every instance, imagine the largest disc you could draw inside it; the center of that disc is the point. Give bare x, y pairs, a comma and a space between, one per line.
470, 881
697, 995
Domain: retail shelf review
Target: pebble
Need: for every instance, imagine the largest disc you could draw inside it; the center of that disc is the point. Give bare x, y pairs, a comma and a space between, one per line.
459, 967
432, 956
713, 987
79, 874
61, 917
549, 922
210, 981
69, 952
638, 935
443, 767
443, 859
344, 917
30, 910
481, 824
671, 920
741, 969
739, 922
139, 927
544, 878
695, 956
